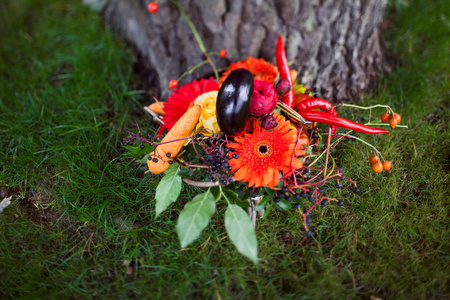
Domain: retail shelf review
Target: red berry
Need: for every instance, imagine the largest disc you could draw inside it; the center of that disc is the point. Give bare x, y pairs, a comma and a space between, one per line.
373, 159
153, 7
173, 84
393, 122
397, 117
385, 118
377, 167
387, 165
223, 53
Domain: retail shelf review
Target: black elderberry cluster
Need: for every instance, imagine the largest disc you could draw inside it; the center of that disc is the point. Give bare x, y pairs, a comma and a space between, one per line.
133, 139
289, 196
128, 141
316, 93
312, 133
217, 158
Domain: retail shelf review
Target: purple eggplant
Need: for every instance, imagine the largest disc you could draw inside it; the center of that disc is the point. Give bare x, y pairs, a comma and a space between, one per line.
233, 101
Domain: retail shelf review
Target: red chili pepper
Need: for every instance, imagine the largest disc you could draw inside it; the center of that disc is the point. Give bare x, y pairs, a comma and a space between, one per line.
318, 103
314, 103
283, 68
324, 117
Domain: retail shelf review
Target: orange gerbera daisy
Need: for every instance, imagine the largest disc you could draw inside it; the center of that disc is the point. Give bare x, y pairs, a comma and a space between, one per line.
261, 69
263, 154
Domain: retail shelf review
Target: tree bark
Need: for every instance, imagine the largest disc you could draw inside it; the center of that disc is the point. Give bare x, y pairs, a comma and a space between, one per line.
335, 44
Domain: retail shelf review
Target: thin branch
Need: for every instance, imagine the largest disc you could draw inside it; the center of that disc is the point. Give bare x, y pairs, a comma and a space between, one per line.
202, 184
155, 116
328, 153
294, 115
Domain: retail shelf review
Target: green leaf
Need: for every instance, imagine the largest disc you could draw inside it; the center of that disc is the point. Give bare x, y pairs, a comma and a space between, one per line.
232, 195
268, 210
135, 151
216, 192
321, 141
243, 194
281, 182
269, 191
241, 231
184, 172
243, 203
143, 160
262, 204
283, 204
191, 151
173, 168
194, 217
168, 189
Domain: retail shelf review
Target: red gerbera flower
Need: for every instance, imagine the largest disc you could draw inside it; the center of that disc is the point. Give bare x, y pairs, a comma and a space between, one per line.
263, 154
261, 69
183, 97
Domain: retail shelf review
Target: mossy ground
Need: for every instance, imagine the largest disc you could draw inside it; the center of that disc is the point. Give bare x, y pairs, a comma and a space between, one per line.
82, 220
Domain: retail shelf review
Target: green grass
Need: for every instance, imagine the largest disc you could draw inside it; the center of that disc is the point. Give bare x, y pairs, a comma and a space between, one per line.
81, 209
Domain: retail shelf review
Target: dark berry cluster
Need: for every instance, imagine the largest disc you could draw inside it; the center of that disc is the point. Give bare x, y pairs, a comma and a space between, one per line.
128, 141
133, 138
312, 133
215, 154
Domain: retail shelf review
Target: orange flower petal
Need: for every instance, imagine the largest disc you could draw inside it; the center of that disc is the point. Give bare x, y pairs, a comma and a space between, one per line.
260, 69
276, 178
297, 163
259, 180
252, 181
240, 174
268, 176
299, 152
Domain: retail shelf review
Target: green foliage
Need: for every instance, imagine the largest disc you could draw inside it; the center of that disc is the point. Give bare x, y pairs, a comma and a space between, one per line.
262, 204
283, 204
168, 189
241, 232
136, 151
194, 217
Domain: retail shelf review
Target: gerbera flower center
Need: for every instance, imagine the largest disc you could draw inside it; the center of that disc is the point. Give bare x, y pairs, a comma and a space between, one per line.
263, 149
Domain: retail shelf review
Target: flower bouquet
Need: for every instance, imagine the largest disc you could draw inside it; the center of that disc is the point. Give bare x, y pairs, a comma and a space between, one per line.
253, 139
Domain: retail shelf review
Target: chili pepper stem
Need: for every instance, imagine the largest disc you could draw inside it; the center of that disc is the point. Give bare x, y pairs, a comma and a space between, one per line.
319, 156
192, 69
367, 107
328, 153
154, 115
196, 35
368, 144
334, 165
295, 115
384, 124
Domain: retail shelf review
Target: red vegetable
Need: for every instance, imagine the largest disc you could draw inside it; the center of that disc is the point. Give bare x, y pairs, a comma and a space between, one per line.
317, 103
324, 117
173, 84
314, 103
153, 7
283, 69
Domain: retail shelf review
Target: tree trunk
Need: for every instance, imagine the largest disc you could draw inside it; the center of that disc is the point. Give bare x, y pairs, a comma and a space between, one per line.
335, 44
